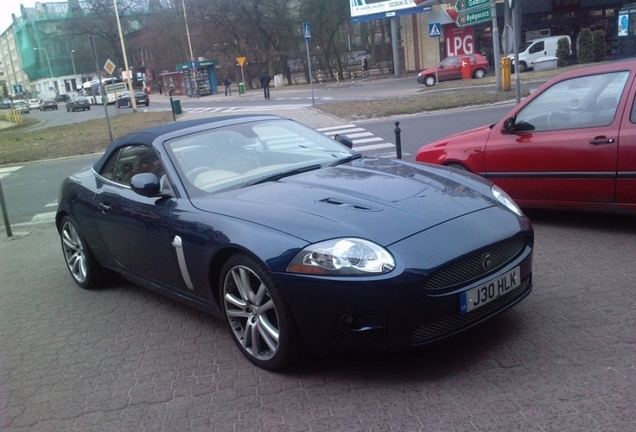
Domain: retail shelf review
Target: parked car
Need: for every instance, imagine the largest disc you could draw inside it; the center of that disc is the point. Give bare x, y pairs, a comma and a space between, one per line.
21, 106
48, 104
535, 49
570, 144
294, 239
34, 104
6, 103
451, 68
123, 99
78, 103
62, 98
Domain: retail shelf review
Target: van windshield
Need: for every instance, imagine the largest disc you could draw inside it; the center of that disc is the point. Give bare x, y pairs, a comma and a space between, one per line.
524, 46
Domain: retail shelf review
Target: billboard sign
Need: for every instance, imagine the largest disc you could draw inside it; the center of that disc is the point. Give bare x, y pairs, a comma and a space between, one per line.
363, 10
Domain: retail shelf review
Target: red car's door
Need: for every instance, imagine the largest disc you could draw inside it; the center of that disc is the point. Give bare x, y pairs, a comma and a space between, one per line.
565, 144
450, 69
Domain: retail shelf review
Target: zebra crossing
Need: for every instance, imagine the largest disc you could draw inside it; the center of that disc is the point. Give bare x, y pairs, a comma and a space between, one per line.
363, 140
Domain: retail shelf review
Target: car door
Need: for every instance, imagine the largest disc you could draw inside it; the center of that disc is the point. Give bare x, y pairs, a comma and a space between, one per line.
565, 143
136, 230
449, 70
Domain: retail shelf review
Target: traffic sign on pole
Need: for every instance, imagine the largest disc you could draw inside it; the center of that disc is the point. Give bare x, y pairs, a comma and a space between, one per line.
241, 61
474, 17
307, 30
461, 5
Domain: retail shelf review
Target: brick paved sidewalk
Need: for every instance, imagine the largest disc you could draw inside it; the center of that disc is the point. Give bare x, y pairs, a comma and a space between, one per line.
125, 359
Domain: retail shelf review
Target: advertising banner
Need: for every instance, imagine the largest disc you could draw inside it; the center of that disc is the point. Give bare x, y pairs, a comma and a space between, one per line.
362, 10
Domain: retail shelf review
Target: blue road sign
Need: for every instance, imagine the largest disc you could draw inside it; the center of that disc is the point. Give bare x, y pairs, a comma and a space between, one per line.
17, 89
193, 65
307, 30
434, 30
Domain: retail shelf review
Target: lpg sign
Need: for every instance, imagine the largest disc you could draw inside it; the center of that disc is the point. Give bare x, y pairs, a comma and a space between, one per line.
459, 40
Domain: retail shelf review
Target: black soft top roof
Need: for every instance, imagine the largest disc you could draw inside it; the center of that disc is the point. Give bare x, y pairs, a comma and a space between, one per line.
148, 136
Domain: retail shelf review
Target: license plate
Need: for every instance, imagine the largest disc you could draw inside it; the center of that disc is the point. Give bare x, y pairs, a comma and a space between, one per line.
480, 296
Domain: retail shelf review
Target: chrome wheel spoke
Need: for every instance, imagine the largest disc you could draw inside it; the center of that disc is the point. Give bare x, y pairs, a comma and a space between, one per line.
251, 313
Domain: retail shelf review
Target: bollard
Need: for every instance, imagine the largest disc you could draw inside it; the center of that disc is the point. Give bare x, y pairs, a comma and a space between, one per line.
5, 215
398, 140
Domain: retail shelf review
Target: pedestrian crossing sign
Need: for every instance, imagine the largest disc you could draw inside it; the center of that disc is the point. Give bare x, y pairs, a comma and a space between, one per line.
433, 30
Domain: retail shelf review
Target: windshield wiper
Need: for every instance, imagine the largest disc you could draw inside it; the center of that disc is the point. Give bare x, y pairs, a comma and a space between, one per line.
280, 175
347, 159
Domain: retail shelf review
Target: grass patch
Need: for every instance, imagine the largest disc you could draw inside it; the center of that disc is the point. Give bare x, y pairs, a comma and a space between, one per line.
19, 144
414, 104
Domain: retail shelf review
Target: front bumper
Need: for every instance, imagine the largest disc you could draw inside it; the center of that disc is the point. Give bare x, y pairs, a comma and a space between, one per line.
397, 311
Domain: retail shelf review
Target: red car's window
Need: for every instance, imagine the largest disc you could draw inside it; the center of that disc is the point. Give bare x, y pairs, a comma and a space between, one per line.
583, 102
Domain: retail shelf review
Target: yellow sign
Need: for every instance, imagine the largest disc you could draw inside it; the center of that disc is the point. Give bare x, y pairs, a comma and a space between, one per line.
241, 61
109, 67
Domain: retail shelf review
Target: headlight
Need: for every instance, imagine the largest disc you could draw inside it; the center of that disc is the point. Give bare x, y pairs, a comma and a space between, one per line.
343, 257
505, 199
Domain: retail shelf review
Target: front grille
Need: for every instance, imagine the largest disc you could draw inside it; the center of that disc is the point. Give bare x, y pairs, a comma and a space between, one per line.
457, 321
470, 268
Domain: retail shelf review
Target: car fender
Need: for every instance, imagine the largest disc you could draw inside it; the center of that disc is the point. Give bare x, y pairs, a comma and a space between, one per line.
465, 148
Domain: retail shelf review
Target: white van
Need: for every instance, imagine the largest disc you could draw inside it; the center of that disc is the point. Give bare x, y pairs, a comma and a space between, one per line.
534, 49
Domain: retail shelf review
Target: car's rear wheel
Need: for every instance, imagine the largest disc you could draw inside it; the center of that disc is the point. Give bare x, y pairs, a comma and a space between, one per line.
430, 81
260, 321
479, 73
523, 67
84, 268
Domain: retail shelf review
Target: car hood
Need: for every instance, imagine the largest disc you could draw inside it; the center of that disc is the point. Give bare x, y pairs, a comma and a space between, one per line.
429, 71
476, 136
377, 199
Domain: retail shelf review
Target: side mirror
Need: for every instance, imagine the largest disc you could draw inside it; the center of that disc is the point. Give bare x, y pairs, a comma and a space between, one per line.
343, 139
509, 125
145, 184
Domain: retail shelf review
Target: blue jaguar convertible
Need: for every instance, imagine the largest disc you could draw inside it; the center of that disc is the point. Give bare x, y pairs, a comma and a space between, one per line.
298, 242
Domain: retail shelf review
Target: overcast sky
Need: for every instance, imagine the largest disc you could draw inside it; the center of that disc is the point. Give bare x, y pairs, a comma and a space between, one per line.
9, 7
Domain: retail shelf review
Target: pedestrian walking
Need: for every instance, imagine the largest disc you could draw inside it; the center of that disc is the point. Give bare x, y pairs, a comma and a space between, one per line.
265, 80
228, 86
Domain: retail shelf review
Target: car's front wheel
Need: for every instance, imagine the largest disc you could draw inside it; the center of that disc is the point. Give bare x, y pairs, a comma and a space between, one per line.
260, 321
430, 81
84, 268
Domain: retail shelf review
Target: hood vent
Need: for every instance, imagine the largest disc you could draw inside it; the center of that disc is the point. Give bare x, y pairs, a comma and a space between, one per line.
349, 204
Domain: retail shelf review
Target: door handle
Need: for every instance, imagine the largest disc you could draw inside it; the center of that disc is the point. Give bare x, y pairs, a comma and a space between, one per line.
602, 140
104, 207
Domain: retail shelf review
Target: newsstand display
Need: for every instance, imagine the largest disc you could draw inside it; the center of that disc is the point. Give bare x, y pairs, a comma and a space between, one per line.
205, 77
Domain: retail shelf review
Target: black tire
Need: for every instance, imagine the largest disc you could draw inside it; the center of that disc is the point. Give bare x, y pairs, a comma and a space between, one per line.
458, 166
479, 73
80, 262
89, 108
522, 67
262, 324
147, 102
429, 80
129, 104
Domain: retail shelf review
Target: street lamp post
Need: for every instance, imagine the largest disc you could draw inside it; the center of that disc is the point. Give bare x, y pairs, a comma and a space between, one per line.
73, 62
47, 59
194, 71
133, 100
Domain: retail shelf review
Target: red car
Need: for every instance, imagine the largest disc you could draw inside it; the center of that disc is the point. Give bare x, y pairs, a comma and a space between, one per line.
571, 144
451, 68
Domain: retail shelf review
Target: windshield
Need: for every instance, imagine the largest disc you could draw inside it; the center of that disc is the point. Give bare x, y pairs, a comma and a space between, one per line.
246, 154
